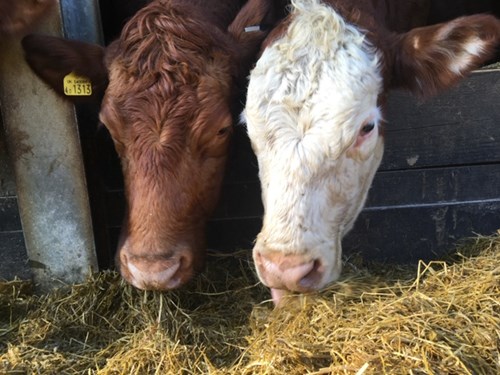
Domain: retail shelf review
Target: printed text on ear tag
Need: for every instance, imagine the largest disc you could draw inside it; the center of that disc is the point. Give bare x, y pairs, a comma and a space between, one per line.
77, 85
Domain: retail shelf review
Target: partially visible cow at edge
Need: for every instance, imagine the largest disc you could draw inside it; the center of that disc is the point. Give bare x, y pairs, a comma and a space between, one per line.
169, 88
20, 16
315, 114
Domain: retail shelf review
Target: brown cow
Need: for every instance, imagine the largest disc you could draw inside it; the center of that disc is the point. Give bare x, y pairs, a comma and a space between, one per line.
20, 16
314, 114
168, 88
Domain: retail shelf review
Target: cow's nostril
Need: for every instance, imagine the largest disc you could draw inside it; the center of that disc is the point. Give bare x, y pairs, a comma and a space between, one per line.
293, 272
313, 277
154, 272
184, 268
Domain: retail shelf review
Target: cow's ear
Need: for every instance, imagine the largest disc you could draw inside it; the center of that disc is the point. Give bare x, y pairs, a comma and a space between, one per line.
250, 26
430, 59
61, 63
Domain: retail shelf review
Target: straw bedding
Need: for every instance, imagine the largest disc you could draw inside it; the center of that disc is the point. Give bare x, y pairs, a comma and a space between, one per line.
435, 318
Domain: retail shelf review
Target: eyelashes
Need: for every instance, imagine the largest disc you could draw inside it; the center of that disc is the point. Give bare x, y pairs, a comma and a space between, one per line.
367, 128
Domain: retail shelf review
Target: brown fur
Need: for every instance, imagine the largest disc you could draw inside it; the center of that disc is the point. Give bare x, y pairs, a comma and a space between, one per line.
430, 62
20, 16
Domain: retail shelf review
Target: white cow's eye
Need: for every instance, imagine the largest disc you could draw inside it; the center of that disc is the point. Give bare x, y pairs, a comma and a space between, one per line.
367, 128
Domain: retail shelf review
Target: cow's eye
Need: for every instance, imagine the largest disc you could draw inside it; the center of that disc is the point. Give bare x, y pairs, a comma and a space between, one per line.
224, 131
367, 128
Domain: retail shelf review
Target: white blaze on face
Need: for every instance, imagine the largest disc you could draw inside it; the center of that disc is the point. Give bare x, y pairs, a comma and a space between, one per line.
310, 96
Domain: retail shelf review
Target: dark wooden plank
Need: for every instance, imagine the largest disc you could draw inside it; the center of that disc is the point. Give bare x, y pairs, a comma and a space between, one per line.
109, 168
238, 218
229, 235
115, 207
239, 200
459, 127
457, 201
393, 235
7, 185
14, 259
114, 233
242, 163
428, 186
407, 234
390, 188
9, 215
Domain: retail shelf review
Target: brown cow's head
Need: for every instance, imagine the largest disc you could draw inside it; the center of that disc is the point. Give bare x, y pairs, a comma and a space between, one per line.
168, 108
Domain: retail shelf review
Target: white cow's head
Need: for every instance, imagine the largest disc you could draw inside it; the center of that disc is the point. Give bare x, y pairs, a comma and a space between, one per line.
313, 115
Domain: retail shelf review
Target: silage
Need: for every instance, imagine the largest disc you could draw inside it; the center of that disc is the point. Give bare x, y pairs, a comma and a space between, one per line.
434, 318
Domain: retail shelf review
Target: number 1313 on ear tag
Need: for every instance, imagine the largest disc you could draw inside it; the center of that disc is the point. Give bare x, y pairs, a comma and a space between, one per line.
75, 85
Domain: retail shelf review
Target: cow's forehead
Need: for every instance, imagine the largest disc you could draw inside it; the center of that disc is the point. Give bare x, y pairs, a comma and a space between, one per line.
307, 82
336, 73
157, 116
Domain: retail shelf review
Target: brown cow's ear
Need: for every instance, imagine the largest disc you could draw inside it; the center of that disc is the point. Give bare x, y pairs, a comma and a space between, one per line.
61, 62
430, 59
250, 27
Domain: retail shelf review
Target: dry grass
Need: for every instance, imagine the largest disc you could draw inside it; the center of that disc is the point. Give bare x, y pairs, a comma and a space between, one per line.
437, 318
493, 66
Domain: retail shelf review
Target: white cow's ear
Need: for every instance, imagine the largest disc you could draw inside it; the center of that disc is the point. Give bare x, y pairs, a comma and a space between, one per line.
430, 59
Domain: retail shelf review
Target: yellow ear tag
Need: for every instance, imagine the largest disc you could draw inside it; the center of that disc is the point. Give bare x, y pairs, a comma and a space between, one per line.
77, 85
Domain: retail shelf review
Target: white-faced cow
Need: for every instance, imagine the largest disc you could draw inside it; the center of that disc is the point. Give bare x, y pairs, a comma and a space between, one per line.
315, 110
168, 88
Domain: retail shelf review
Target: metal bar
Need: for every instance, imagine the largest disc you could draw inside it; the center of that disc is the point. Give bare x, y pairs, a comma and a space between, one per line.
82, 20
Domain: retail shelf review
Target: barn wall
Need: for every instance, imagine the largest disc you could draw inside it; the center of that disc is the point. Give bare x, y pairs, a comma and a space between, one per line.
438, 181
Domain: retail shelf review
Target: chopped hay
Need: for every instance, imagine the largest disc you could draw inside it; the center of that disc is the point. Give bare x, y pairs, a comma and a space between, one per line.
437, 318
493, 66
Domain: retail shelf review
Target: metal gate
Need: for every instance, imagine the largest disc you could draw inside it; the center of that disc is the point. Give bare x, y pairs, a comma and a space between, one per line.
41, 136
